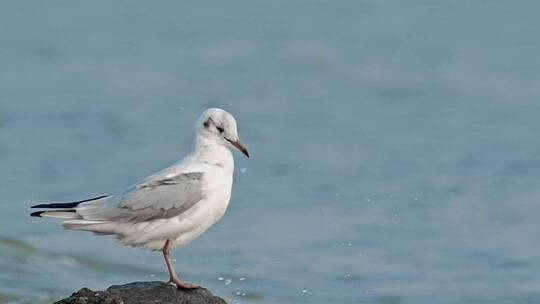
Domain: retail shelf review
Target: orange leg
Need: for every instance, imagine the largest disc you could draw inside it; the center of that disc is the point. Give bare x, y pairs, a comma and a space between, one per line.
173, 278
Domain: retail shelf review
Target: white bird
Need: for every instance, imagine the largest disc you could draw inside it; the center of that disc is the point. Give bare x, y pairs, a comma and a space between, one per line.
171, 207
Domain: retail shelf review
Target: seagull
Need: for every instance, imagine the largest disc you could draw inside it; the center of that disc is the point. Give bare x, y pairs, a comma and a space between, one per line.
170, 208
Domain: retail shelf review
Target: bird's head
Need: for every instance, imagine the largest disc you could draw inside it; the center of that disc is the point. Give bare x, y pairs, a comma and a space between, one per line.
220, 126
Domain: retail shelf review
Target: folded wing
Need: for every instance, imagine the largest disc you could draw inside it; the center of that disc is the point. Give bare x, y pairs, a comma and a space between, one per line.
162, 198
155, 198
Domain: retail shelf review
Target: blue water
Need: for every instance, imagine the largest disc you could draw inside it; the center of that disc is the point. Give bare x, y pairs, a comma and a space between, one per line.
395, 144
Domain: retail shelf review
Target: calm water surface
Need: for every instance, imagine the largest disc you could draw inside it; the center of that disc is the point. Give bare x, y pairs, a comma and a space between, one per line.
395, 145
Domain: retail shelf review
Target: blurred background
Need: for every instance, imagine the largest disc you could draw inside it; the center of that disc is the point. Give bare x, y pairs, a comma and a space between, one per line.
395, 149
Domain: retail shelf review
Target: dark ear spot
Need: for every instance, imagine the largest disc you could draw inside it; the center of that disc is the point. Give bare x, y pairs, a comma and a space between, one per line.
206, 124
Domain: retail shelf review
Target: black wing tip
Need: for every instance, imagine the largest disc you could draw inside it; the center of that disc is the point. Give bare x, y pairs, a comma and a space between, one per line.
41, 206
36, 214
56, 205
39, 213
67, 205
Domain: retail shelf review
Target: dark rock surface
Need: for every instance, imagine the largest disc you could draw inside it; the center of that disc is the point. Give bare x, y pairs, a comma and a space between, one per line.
143, 293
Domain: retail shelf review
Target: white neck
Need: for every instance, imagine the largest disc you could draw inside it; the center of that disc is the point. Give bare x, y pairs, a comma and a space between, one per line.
213, 152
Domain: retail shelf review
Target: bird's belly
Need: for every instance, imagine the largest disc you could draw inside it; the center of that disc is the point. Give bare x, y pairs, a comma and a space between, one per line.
181, 229
187, 226
201, 220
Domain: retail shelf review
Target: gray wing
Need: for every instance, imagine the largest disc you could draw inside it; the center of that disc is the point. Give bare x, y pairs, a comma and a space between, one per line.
161, 197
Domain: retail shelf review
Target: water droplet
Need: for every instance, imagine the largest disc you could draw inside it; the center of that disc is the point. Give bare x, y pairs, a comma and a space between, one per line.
69, 261
243, 170
228, 281
221, 278
242, 279
304, 291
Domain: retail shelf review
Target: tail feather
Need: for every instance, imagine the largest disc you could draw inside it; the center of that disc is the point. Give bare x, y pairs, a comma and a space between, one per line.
75, 215
67, 211
97, 227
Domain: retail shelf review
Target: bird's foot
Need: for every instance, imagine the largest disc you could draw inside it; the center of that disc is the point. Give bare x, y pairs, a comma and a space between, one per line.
181, 284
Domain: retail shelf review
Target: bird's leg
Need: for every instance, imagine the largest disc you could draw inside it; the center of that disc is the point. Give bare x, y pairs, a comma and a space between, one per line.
173, 278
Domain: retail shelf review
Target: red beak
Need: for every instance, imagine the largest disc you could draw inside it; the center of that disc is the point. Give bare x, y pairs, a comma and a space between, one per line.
240, 147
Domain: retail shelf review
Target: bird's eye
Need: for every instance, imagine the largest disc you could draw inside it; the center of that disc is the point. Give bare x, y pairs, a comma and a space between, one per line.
220, 129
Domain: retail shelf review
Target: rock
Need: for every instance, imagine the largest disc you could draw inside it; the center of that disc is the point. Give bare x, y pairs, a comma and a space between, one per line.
143, 293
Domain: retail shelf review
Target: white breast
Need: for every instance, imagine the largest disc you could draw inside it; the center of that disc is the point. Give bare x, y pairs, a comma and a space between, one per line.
217, 166
218, 186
